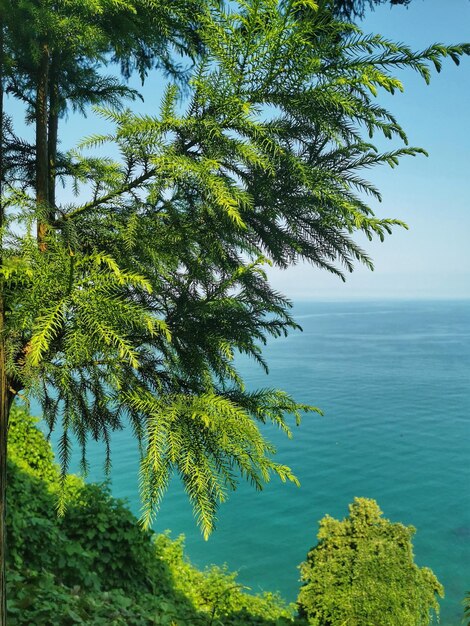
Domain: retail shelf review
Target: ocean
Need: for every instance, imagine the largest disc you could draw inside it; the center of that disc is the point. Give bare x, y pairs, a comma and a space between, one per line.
393, 380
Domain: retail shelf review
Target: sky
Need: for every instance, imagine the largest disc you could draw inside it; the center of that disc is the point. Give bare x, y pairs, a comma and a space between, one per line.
432, 195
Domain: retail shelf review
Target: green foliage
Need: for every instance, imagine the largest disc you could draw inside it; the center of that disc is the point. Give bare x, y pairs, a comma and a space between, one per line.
361, 573
466, 605
85, 35
210, 440
97, 566
216, 591
33, 482
147, 284
121, 554
127, 297
37, 457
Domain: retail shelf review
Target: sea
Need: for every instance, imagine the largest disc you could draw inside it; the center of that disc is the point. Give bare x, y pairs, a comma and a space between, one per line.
393, 381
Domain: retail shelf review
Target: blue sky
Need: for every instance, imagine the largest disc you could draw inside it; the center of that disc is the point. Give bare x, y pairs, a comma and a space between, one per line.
432, 195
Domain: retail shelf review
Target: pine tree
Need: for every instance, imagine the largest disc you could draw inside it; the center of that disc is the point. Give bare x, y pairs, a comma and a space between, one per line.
131, 303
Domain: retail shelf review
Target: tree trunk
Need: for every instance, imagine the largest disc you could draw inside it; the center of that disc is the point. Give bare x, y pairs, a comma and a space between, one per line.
5, 404
53, 127
5, 401
42, 161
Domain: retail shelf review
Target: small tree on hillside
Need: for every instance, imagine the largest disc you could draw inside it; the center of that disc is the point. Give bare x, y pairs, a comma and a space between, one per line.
362, 573
466, 608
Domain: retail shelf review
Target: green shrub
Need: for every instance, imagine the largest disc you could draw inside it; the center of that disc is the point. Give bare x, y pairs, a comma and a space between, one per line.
215, 591
36, 537
122, 553
28, 448
466, 609
361, 573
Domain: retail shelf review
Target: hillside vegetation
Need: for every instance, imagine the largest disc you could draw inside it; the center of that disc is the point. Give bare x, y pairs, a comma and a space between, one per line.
95, 565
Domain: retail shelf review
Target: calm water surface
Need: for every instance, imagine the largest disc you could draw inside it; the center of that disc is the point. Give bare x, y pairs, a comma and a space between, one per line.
393, 379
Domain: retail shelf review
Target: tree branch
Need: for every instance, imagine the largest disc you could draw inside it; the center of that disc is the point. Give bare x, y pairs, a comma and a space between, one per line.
106, 198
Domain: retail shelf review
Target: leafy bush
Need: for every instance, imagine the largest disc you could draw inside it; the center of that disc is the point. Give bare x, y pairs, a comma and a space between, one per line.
37, 540
361, 573
216, 591
28, 448
122, 554
466, 609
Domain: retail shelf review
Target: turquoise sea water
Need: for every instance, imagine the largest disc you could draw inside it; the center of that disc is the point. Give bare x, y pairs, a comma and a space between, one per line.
393, 379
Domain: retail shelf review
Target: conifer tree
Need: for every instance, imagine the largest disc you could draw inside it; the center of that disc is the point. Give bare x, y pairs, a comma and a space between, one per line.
56, 53
52, 55
131, 302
